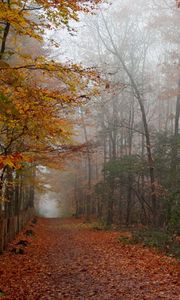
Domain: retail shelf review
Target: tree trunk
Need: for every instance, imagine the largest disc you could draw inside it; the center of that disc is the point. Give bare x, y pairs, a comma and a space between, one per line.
88, 196
175, 141
4, 39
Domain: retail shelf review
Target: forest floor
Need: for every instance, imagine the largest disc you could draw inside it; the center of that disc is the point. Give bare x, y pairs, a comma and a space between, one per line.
69, 260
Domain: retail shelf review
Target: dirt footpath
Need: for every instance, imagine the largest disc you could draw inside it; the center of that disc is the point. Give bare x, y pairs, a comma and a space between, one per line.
67, 260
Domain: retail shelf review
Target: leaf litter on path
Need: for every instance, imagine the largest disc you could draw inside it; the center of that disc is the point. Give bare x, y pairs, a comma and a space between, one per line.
65, 260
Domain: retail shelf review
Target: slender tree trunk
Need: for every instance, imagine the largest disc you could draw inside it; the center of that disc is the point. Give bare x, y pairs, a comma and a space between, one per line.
5, 34
4, 39
177, 116
110, 204
88, 196
130, 178
175, 141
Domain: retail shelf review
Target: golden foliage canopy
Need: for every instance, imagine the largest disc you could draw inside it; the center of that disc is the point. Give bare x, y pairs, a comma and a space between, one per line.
36, 93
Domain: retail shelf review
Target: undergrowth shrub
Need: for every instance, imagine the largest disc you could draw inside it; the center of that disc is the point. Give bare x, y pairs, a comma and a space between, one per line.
164, 241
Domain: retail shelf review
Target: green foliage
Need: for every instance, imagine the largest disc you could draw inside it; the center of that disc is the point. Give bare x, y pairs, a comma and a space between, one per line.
102, 225
100, 188
123, 170
97, 226
151, 238
29, 232
130, 165
2, 294
163, 156
161, 240
173, 212
7, 107
103, 191
125, 240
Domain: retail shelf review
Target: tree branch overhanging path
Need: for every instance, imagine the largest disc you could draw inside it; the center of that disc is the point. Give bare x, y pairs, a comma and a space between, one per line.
37, 95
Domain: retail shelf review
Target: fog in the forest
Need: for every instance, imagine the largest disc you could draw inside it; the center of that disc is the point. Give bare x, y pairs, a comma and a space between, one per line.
89, 149
130, 167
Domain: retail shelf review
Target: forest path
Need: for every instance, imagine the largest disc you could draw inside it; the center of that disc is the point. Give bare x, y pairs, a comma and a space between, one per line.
68, 260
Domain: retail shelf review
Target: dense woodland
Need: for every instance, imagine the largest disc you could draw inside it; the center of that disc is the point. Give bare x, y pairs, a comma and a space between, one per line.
110, 113
132, 163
